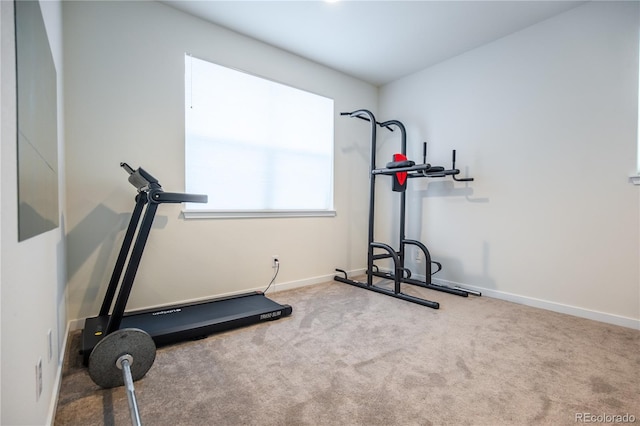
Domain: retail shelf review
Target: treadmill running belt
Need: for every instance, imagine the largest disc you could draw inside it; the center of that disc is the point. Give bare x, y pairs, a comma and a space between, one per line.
175, 323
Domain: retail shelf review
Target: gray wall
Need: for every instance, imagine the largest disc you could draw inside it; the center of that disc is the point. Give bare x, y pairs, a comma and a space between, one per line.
124, 102
33, 274
546, 121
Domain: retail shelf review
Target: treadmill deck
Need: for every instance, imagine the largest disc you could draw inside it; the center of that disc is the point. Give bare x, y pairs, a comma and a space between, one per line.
170, 324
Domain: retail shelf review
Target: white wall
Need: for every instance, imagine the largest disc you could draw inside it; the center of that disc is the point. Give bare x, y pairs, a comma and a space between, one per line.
124, 102
545, 120
33, 273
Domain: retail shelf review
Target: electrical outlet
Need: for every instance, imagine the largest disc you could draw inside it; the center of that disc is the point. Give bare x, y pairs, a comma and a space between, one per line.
38, 379
419, 256
50, 344
275, 261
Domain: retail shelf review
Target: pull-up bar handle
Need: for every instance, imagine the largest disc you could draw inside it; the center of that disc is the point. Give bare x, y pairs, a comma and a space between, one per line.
454, 166
403, 132
354, 114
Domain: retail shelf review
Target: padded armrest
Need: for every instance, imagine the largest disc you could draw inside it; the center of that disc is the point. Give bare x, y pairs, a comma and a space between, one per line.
398, 164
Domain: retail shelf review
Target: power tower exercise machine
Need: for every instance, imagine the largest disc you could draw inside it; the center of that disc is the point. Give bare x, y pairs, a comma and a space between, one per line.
400, 169
167, 324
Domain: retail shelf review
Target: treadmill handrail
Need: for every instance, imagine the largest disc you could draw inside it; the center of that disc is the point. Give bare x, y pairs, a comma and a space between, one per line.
158, 196
142, 180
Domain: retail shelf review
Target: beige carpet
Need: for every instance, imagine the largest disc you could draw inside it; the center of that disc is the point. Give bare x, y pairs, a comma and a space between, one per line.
348, 356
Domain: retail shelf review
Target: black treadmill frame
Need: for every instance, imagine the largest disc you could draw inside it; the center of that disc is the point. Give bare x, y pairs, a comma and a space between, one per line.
150, 195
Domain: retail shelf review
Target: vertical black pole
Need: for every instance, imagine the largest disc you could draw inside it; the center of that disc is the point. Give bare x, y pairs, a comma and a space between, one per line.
399, 266
141, 200
132, 267
424, 153
403, 211
372, 195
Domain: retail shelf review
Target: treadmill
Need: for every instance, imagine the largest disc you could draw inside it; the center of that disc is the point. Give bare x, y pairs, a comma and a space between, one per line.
173, 323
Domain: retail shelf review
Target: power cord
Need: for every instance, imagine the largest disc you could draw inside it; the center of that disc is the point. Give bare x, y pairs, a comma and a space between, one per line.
274, 275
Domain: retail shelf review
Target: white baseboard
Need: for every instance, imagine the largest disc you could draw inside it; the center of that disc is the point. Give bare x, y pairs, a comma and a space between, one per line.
608, 318
550, 306
53, 404
78, 324
311, 281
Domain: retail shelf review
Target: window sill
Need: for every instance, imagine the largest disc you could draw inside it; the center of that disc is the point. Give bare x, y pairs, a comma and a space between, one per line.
635, 179
254, 214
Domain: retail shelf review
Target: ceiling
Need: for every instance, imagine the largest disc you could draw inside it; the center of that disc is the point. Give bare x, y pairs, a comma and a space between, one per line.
375, 41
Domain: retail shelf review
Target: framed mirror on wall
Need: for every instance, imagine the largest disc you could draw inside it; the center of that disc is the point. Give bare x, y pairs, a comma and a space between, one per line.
37, 123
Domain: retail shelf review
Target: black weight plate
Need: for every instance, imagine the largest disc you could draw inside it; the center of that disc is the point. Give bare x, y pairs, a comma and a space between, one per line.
102, 361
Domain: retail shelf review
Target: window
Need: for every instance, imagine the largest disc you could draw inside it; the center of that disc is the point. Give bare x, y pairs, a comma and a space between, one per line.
254, 146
